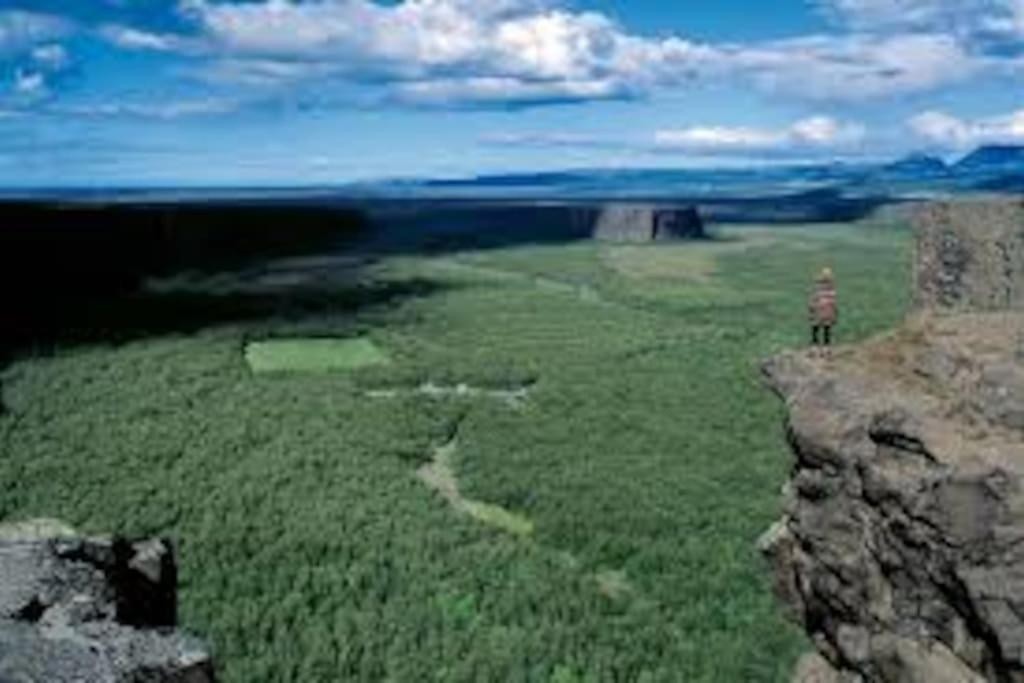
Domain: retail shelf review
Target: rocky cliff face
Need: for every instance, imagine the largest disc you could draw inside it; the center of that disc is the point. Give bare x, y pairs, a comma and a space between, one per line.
901, 550
970, 256
90, 610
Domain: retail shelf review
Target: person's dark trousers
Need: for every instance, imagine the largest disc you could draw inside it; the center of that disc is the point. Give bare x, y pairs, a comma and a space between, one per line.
822, 332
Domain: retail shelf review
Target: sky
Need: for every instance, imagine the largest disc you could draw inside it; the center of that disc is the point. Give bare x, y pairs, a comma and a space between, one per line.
102, 93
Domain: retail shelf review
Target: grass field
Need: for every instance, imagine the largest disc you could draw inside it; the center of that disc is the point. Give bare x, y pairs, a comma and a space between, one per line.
619, 500
312, 355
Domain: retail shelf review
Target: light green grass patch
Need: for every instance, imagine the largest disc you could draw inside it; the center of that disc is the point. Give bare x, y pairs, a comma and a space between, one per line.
694, 262
312, 355
499, 517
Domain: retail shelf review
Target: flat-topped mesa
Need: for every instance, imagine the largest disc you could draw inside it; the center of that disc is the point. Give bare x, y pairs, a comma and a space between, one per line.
620, 222
970, 256
901, 547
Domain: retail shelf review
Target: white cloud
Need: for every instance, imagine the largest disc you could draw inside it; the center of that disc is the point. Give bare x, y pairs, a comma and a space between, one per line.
817, 132
130, 38
857, 66
976, 23
551, 139
504, 90
51, 56
950, 132
436, 50
805, 138
706, 138
29, 83
529, 51
823, 130
165, 111
266, 72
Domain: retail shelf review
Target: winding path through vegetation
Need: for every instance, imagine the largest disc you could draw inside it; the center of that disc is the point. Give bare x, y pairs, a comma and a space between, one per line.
439, 475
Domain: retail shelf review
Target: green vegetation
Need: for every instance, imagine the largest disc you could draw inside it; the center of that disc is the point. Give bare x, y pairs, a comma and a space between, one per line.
646, 457
312, 355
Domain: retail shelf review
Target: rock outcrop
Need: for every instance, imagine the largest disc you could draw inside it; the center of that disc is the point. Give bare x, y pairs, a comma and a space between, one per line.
91, 610
970, 256
901, 549
644, 223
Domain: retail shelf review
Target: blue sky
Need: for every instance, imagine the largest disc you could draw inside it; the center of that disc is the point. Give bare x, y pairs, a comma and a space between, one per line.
198, 92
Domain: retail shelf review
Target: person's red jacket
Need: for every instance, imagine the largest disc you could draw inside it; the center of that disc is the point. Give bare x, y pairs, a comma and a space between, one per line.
822, 305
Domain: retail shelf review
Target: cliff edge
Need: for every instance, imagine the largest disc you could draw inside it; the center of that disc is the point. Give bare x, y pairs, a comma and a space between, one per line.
901, 548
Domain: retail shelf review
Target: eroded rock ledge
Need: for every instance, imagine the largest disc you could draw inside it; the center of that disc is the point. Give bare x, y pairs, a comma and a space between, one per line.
91, 610
901, 548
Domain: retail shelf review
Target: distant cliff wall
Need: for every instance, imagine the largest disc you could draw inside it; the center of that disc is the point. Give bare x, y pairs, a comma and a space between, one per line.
647, 223
451, 225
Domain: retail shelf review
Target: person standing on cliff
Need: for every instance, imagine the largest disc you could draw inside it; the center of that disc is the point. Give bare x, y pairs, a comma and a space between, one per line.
823, 310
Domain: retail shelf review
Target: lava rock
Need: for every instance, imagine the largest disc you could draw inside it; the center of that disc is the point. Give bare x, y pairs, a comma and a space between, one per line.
91, 610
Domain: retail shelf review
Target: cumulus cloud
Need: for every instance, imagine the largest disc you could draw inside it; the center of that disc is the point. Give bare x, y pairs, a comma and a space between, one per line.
532, 51
495, 53
950, 132
444, 50
810, 134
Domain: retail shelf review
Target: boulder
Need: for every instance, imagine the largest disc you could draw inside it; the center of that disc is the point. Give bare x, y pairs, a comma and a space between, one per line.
91, 610
813, 668
647, 223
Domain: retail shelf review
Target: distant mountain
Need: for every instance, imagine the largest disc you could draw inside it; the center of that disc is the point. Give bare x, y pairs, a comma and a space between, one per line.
915, 166
993, 168
992, 159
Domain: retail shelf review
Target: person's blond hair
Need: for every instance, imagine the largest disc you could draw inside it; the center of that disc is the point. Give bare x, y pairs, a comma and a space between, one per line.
826, 274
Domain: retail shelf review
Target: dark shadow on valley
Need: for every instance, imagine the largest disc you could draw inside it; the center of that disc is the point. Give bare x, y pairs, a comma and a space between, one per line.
120, 318
80, 274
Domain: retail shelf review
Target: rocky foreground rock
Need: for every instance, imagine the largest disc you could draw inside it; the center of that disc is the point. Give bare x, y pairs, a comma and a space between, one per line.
901, 550
91, 610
